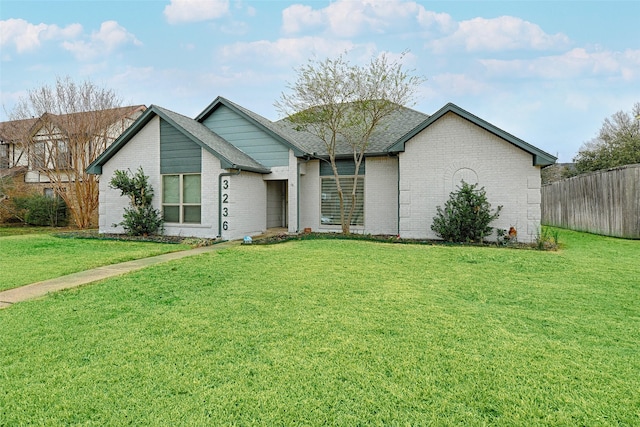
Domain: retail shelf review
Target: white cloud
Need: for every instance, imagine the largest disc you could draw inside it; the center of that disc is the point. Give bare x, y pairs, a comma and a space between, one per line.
299, 17
348, 18
285, 51
184, 11
438, 23
109, 38
499, 34
575, 63
26, 36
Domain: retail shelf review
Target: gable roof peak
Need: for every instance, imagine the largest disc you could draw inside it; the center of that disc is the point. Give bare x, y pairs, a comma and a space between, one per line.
540, 157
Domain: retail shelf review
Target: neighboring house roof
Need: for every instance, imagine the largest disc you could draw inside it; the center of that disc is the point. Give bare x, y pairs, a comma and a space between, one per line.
540, 158
230, 156
11, 130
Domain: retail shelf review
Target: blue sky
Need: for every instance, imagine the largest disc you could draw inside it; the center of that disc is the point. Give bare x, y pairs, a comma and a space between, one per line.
548, 72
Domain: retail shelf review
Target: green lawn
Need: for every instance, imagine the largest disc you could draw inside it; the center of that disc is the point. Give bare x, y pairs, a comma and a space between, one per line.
27, 258
338, 333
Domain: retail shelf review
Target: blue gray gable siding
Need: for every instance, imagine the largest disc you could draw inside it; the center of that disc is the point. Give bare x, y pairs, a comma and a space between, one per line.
178, 153
248, 137
345, 168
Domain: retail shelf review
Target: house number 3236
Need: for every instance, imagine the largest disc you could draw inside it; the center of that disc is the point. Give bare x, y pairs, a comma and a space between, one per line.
225, 200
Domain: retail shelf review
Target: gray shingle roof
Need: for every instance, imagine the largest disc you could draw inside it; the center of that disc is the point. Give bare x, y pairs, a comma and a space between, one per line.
230, 156
391, 129
214, 142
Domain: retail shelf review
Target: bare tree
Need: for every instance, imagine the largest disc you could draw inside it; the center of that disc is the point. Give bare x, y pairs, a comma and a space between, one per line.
75, 124
343, 104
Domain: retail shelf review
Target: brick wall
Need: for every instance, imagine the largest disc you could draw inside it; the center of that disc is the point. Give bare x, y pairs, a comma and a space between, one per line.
143, 150
247, 203
381, 196
452, 149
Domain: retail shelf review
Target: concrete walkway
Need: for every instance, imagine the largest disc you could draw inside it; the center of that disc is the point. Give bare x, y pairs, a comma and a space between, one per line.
39, 289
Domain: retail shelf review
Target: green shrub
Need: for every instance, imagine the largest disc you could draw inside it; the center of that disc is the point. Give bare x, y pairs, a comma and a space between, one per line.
37, 209
547, 239
466, 215
141, 218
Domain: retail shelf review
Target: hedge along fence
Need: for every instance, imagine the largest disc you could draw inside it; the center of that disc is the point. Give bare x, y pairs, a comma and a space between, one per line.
604, 202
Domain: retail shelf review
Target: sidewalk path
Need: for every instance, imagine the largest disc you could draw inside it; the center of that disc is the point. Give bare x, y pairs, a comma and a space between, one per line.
39, 289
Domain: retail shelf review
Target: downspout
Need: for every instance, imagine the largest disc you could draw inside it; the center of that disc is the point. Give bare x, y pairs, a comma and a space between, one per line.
298, 197
398, 202
223, 174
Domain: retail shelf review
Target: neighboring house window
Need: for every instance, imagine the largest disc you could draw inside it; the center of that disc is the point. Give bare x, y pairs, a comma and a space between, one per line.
4, 156
329, 199
38, 155
51, 155
181, 198
62, 155
48, 192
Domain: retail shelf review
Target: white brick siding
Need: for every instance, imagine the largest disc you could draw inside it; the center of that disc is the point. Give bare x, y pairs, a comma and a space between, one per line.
143, 150
247, 206
310, 196
453, 148
381, 195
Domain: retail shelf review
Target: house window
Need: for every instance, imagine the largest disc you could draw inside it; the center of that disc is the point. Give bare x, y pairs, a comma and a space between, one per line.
181, 198
330, 201
38, 156
61, 156
51, 155
4, 156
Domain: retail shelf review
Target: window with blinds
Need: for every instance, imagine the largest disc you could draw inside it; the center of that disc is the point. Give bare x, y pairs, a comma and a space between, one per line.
330, 201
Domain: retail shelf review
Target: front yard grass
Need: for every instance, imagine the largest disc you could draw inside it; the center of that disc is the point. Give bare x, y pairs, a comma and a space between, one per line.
330, 332
31, 257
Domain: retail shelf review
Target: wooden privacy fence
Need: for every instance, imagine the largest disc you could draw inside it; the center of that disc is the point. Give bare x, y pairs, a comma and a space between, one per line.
604, 202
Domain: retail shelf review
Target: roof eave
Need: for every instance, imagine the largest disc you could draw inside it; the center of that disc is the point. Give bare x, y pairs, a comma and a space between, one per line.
225, 164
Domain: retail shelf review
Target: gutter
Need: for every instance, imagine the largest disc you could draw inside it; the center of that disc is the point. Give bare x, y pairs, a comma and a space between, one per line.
223, 174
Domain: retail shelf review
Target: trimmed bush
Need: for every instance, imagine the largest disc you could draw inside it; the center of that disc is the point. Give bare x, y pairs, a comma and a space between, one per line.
141, 218
466, 215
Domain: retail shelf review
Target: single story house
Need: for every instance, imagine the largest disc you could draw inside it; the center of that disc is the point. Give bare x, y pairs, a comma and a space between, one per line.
230, 173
